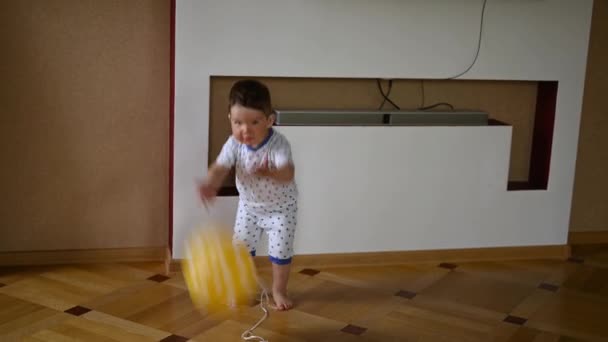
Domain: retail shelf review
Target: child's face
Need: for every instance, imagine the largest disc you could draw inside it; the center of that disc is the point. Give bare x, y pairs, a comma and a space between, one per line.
249, 126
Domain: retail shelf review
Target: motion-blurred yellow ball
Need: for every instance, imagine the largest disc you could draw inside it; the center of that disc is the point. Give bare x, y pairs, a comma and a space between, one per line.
217, 272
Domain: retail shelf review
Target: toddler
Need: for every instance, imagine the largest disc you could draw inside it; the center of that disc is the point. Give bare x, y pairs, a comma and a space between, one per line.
264, 179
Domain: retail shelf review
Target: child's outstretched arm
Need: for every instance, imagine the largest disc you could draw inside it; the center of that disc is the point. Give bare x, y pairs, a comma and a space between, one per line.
284, 174
211, 184
218, 171
282, 169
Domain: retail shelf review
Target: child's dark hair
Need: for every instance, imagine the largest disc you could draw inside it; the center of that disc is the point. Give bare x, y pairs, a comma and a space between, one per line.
250, 94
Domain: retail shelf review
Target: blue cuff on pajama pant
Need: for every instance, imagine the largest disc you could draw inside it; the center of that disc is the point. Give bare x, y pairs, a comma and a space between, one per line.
279, 261
275, 260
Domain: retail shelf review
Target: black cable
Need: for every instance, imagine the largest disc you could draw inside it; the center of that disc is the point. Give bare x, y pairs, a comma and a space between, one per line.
422, 94
388, 93
385, 96
437, 105
422, 107
483, 12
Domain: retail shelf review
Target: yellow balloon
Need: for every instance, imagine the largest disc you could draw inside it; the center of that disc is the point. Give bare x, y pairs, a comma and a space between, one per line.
218, 272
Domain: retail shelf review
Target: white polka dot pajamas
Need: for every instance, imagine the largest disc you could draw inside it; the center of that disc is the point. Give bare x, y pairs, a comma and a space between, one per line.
280, 226
265, 205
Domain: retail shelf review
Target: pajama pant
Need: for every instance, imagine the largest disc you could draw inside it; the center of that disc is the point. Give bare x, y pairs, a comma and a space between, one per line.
279, 223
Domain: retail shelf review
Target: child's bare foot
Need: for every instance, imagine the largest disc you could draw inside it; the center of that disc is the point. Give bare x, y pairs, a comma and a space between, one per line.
280, 275
282, 301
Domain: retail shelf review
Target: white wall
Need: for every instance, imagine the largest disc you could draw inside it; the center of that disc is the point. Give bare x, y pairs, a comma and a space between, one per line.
400, 197
522, 40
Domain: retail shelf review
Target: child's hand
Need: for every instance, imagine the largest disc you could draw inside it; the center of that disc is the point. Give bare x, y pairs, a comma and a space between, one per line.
263, 170
207, 192
209, 186
284, 174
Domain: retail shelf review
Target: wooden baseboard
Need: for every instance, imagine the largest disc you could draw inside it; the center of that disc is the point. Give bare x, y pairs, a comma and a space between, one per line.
560, 252
83, 256
588, 237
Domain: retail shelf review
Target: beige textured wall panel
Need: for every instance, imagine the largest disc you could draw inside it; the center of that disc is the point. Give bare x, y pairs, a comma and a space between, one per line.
590, 202
85, 124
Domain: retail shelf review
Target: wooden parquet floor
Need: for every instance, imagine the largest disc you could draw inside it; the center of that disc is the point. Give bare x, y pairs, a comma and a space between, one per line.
539, 300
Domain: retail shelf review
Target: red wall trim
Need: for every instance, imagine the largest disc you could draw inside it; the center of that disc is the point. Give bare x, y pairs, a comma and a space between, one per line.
171, 121
542, 139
